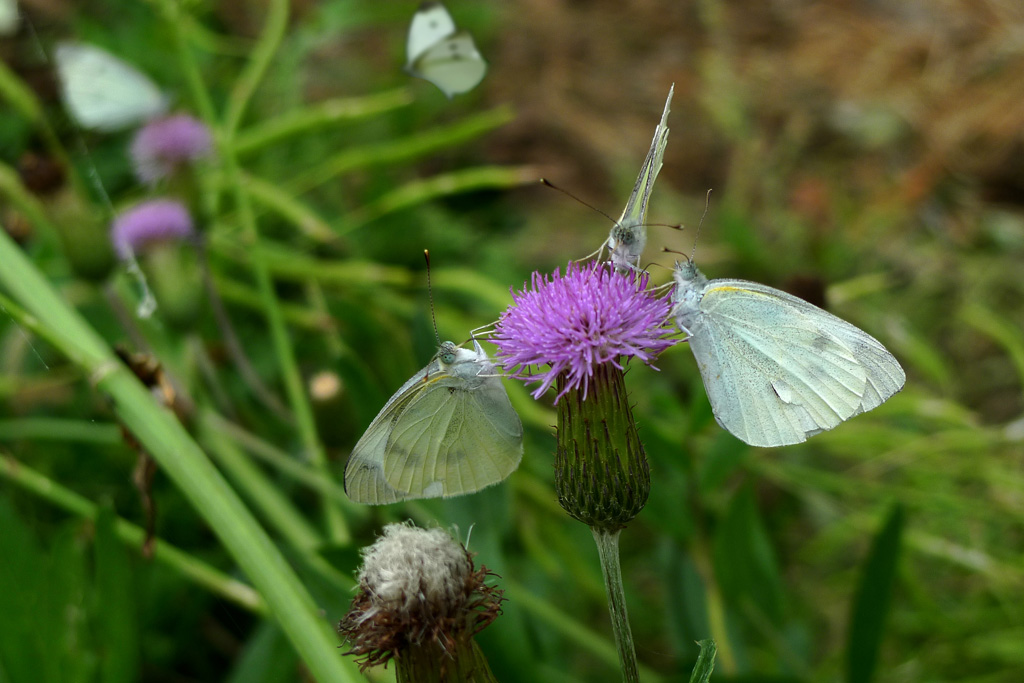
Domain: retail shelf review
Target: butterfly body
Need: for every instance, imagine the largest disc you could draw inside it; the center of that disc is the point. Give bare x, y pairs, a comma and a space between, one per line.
436, 52
449, 430
778, 370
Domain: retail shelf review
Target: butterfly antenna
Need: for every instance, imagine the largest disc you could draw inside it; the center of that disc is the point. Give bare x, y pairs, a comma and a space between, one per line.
707, 203
430, 295
550, 184
545, 181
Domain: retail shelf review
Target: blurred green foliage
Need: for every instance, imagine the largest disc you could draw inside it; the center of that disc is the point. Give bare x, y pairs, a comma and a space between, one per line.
838, 172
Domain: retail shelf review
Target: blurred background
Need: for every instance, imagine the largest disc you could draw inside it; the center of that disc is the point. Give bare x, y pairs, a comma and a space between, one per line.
865, 156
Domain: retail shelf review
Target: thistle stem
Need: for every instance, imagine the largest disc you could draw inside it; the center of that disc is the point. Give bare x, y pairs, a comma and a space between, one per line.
431, 663
608, 551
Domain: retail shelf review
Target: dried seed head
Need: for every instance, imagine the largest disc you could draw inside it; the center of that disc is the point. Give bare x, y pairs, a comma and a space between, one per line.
417, 587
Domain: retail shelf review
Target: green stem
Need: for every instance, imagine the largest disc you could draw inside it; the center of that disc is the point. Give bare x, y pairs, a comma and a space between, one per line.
431, 663
319, 115
608, 552
175, 21
259, 61
399, 150
424, 190
59, 429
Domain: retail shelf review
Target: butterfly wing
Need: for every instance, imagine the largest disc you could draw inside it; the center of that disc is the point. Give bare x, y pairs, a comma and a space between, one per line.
446, 432
9, 18
364, 471
454, 65
779, 370
103, 92
629, 235
430, 25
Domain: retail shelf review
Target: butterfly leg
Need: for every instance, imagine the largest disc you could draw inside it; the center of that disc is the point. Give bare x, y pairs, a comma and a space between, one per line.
483, 331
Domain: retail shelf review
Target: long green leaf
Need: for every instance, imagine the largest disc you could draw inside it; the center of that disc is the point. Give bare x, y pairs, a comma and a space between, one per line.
744, 561
871, 602
118, 628
705, 662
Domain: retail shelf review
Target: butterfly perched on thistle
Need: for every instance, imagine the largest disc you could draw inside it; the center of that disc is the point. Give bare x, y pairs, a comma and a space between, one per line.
777, 369
628, 236
448, 431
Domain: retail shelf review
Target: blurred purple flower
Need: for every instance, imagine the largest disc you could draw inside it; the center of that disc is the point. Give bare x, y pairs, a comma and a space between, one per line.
165, 144
590, 316
157, 220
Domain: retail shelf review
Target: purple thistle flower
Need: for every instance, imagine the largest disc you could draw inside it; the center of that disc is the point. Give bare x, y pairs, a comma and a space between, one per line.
165, 144
157, 220
573, 323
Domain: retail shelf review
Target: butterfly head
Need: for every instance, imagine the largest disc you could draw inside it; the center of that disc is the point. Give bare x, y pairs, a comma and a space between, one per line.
625, 235
686, 274
446, 353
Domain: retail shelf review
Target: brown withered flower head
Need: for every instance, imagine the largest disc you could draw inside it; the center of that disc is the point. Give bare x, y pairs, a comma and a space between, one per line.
418, 589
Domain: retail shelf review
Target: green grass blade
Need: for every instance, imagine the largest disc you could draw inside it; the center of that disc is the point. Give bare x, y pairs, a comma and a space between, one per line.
322, 114
117, 623
705, 662
744, 560
871, 602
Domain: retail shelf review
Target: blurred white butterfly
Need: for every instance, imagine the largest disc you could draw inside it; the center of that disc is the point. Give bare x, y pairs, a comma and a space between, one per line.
777, 369
103, 92
9, 18
448, 431
629, 235
437, 53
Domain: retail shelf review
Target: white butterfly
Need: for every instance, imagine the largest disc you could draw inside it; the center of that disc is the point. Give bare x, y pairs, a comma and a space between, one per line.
629, 235
437, 53
9, 18
777, 369
103, 92
448, 431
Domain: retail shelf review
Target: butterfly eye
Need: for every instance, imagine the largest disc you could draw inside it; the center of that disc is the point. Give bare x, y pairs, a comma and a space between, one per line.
624, 235
448, 358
